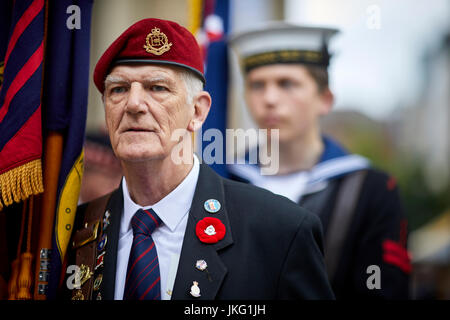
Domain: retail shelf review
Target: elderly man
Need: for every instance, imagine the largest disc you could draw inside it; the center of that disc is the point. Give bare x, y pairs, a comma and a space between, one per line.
176, 230
286, 88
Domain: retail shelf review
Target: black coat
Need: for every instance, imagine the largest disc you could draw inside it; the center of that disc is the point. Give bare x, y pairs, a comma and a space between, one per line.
272, 248
379, 218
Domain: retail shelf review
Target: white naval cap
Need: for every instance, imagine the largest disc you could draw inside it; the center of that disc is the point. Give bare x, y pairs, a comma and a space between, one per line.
282, 42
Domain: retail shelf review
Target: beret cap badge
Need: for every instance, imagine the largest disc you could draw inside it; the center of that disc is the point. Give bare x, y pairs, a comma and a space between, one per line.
156, 42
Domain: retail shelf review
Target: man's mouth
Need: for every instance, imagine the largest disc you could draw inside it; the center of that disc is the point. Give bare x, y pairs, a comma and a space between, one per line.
137, 129
271, 121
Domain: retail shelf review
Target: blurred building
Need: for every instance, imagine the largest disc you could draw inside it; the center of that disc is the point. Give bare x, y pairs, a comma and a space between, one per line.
430, 248
424, 130
424, 134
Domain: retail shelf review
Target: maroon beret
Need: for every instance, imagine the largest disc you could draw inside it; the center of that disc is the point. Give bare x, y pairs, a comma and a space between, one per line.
152, 41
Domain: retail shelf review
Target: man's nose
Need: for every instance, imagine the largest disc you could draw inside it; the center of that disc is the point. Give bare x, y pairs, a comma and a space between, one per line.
271, 96
136, 98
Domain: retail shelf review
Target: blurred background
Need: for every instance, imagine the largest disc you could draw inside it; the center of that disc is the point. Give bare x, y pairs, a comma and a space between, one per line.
390, 74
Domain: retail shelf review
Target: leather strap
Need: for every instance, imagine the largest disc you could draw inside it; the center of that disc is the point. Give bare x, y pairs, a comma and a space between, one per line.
317, 202
341, 219
85, 244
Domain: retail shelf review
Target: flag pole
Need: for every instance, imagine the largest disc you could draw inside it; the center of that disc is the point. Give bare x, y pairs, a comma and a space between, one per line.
52, 165
25, 278
52, 157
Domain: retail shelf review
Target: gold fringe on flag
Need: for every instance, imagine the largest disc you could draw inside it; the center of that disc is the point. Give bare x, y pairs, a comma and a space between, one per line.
19, 183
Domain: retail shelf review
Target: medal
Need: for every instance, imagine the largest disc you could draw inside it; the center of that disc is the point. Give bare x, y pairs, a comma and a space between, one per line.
201, 265
212, 205
195, 290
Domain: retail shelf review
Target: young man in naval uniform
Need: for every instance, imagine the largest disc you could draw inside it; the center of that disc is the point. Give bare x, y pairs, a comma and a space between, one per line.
286, 88
174, 229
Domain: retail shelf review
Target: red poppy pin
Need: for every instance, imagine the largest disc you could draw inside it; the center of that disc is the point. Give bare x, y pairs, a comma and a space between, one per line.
210, 230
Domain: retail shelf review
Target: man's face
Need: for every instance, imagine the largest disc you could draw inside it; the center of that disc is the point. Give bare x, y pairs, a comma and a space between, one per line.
287, 98
144, 104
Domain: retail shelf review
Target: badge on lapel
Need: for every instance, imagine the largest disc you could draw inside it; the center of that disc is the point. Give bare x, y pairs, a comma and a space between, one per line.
195, 290
212, 205
210, 230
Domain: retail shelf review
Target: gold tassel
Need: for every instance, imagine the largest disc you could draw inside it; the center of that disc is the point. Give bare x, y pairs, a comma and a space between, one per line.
12, 284
15, 266
25, 278
21, 280
19, 183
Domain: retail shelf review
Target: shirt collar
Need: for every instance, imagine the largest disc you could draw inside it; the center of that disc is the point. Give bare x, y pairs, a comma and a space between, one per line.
332, 149
171, 209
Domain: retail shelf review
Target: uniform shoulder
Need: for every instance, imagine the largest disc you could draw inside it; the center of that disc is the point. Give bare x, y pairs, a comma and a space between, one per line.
381, 180
379, 174
380, 195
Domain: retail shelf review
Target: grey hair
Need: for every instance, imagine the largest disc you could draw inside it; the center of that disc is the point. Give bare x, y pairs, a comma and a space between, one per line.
193, 85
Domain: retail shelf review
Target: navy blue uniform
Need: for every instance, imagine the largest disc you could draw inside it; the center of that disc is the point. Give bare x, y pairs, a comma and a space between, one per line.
377, 231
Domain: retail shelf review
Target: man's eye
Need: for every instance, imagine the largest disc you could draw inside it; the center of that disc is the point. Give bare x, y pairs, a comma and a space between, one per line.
118, 90
256, 85
286, 84
157, 88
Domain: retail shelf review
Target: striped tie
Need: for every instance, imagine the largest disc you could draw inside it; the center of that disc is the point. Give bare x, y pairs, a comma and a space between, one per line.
143, 279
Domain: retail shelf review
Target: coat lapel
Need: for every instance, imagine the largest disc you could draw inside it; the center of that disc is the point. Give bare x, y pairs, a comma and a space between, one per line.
209, 186
115, 207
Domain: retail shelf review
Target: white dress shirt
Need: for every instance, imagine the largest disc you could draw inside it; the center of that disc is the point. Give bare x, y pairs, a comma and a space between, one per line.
173, 210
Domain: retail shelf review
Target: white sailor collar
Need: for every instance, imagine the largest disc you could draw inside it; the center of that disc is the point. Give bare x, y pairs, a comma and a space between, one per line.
334, 162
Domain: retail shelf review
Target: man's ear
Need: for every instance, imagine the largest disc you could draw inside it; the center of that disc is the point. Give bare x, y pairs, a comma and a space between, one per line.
327, 101
202, 104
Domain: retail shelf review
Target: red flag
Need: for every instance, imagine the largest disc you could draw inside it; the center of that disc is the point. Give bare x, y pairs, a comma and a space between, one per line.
20, 105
